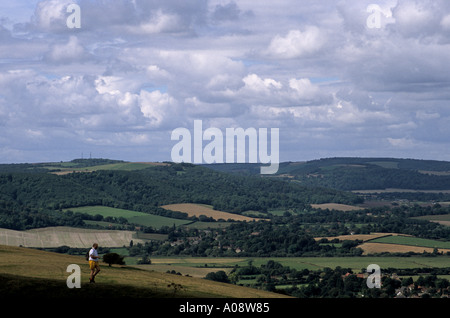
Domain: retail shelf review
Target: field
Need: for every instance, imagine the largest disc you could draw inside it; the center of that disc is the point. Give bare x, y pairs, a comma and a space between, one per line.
139, 218
29, 272
336, 206
391, 190
199, 266
413, 241
441, 219
68, 236
361, 237
127, 166
371, 248
200, 209
403, 244
393, 243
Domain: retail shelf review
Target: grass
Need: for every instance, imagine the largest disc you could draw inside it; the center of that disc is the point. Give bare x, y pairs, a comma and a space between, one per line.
443, 219
144, 219
139, 218
413, 241
127, 166
193, 209
33, 273
299, 263
70, 236
336, 206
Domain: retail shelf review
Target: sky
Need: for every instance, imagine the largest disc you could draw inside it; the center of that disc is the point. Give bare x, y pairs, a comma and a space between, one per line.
337, 78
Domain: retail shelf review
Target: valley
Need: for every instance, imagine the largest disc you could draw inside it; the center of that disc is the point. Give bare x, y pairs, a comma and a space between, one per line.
229, 224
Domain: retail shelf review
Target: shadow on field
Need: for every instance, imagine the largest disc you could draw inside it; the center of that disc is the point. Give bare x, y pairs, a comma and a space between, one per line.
29, 287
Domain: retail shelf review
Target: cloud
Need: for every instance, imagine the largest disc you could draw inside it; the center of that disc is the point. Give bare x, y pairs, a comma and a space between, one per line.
160, 22
137, 69
401, 142
297, 43
414, 18
159, 108
445, 22
51, 15
229, 11
67, 52
260, 86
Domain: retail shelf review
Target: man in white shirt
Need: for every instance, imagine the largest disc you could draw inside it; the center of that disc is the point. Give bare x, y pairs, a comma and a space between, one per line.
93, 262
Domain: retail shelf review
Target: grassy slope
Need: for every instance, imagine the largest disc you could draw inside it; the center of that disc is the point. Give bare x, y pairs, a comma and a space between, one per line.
140, 218
34, 273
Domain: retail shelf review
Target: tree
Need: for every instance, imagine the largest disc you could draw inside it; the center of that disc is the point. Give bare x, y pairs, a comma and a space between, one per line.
219, 276
113, 258
145, 260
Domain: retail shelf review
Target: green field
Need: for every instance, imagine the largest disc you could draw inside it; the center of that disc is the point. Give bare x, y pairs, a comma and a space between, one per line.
413, 241
144, 219
134, 217
443, 219
126, 166
299, 263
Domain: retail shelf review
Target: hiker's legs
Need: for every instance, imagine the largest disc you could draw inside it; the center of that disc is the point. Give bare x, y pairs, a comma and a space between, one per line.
94, 271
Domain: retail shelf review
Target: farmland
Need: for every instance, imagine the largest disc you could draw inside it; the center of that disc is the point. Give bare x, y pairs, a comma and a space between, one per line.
64, 168
336, 206
413, 241
134, 217
194, 220
66, 236
198, 209
441, 219
403, 244
376, 248
187, 264
375, 243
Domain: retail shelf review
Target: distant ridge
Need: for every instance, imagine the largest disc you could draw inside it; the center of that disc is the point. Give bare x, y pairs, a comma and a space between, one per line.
353, 173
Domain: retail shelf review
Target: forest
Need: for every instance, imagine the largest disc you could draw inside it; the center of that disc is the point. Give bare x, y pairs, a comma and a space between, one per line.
33, 199
292, 235
358, 173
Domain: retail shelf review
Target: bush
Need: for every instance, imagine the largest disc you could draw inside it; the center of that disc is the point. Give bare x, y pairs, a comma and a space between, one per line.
219, 276
113, 258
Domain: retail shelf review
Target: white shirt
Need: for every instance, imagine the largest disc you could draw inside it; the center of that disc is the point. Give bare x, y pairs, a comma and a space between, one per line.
93, 252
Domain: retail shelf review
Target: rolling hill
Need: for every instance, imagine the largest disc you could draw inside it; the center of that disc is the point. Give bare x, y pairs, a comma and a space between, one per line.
32, 273
33, 196
351, 174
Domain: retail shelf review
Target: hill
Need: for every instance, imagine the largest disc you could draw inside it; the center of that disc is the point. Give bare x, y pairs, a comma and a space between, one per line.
358, 173
36, 199
32, 273
66, 236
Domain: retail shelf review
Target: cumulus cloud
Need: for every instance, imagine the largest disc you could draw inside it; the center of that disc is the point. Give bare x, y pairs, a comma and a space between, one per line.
160, 22
297, 43
158, 108
67, 52
50, 15
135, 70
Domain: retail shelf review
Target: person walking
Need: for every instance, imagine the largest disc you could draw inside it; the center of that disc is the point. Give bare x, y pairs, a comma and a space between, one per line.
93, 262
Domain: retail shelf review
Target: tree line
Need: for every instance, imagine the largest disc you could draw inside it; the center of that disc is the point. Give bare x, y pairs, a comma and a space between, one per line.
35, 196
293, 234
